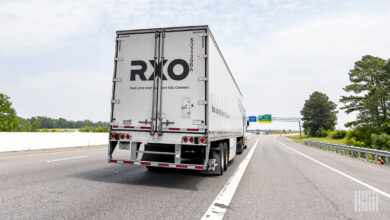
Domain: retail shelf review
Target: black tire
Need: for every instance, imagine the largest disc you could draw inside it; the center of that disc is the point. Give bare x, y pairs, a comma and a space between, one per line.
226, 154
218, 155
240, 147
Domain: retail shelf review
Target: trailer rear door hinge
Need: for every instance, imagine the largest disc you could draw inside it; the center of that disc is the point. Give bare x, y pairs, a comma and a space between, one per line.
202, 56
202, 78
122, 37
202, 102
117, 80
115, 101
119, 59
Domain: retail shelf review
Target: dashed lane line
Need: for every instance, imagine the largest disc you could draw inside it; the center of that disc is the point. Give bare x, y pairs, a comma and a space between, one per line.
49, 153
69, 158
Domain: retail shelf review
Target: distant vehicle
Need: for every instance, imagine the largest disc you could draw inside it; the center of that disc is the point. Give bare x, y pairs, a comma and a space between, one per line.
175, 103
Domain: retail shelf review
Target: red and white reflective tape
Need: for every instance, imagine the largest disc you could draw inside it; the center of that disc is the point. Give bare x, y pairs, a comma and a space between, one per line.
164, 129
132, 127
157, 164
185, 129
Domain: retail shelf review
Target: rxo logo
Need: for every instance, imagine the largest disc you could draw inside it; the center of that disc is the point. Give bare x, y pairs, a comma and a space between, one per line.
157, 71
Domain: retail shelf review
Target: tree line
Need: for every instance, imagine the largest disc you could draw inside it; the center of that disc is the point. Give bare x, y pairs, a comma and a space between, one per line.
49, 123
368, 97
9, 121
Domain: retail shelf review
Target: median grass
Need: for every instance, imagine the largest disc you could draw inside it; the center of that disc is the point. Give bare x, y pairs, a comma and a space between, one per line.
297, 139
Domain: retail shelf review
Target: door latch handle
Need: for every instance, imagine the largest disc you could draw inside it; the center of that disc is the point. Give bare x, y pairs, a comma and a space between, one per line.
145, 122
167, 122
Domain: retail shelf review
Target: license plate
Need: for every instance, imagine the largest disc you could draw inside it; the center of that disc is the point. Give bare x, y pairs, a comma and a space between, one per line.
124, 146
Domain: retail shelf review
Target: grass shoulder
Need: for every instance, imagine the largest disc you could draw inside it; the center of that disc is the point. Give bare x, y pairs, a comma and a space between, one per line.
297, 139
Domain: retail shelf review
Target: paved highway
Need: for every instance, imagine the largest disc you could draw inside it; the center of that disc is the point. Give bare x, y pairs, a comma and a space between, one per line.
283, 180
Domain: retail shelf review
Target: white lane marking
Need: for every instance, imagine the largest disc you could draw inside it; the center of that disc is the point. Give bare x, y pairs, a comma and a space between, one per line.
222, 201
339, 172
69, 158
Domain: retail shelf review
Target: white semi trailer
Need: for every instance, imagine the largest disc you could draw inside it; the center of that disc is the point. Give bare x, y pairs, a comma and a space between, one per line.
175, 103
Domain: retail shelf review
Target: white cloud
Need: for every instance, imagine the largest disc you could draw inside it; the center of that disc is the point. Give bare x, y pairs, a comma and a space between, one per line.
39, 24
280, 71
279, 51
30, 27
73, 95
42, 25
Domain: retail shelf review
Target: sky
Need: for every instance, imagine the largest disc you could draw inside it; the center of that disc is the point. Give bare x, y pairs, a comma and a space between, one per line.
56, 57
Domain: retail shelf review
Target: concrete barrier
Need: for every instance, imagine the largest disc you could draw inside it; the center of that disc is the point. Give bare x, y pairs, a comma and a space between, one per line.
16, 141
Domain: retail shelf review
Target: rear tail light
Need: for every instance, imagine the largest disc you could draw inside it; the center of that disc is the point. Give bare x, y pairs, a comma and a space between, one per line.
194, 140
120, 136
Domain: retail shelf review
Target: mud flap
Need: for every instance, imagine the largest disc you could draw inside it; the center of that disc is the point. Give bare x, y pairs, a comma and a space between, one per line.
215, 162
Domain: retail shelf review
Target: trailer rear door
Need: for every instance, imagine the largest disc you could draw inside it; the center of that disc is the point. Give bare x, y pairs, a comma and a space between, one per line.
160, 81
181, 104
133, 82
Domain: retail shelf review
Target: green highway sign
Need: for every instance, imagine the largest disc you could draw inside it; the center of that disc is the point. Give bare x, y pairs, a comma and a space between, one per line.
265, 118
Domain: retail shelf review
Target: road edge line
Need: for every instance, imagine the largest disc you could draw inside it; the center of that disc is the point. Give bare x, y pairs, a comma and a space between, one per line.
338, 171
219, 206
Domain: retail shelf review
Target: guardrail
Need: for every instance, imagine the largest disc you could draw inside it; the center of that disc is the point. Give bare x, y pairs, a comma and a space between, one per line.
350, 150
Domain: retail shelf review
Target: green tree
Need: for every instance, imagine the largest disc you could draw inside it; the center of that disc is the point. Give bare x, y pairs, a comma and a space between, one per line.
9, 121
370, 98
62, 123
86, 129
319, 114
35, 125
25, 127
50, 123
100, 129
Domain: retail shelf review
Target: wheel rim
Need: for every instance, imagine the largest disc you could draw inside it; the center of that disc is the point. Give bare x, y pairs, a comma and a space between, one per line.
222, 162
226, 157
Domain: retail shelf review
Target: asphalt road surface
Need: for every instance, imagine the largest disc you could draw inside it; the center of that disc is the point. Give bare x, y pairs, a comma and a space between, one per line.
283, 180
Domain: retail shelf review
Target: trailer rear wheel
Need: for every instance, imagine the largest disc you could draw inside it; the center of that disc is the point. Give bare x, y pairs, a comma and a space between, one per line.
219, 156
